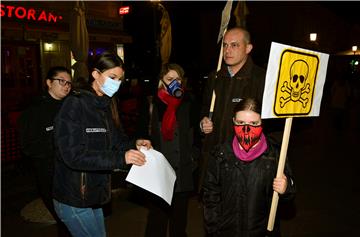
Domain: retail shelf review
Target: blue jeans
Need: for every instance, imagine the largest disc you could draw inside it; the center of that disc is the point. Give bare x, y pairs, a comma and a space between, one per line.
81, 222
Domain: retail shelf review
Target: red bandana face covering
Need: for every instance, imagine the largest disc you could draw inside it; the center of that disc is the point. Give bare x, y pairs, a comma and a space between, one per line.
247, 135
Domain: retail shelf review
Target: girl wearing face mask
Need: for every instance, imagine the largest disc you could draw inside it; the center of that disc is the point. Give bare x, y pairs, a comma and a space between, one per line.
240, 179
89, 145
174, 123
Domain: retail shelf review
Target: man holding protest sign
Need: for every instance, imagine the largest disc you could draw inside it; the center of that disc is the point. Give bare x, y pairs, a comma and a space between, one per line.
237, 79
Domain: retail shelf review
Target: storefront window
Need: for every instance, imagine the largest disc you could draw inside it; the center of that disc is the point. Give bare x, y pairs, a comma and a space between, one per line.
120, 51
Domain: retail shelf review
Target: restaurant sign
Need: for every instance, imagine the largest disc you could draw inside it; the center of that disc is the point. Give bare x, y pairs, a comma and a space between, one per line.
30, 14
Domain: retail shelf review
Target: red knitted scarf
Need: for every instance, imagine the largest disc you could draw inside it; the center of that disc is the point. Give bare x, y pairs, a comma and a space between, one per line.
169, 118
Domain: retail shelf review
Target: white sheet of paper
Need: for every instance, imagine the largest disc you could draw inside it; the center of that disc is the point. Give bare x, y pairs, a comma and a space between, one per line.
156, 175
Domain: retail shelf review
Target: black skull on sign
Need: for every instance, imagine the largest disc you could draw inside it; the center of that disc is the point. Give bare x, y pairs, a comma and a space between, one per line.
299, 71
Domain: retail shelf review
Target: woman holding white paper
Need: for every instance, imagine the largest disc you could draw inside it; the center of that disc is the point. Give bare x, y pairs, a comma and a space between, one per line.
89, 145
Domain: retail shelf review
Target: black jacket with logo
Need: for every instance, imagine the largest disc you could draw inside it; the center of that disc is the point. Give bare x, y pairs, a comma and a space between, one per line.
36, 125
88, 148
249, 81
237, 195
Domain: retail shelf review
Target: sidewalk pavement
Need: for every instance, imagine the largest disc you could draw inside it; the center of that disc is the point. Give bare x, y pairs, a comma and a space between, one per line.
127, 217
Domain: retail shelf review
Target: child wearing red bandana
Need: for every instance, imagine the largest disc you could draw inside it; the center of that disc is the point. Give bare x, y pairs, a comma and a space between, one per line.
240, 179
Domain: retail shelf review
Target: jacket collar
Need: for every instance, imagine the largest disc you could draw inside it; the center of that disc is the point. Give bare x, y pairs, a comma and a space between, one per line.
243, 73
47, 97
101, 102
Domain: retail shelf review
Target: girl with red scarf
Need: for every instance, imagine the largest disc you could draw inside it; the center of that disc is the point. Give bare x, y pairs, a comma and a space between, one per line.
240, 179
174, 123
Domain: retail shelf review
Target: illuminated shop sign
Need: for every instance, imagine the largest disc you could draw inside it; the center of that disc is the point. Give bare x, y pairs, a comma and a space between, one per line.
124, 10
30, 14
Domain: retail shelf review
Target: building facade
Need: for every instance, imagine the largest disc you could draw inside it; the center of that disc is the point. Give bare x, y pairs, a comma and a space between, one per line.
35, 35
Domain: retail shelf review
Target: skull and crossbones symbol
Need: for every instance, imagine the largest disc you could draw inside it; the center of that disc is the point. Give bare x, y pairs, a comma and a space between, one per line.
297, 87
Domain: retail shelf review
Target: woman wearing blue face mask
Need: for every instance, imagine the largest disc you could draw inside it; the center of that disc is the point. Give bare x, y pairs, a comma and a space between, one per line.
89, 145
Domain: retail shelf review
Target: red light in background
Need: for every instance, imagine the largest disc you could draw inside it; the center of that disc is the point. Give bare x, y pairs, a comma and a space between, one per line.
24, 13
124, 10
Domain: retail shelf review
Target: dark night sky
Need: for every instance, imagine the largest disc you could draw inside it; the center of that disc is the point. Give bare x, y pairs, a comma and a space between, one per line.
195, 27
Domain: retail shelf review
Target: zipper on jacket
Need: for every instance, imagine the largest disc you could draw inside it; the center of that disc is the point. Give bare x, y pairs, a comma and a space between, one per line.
108, 135
107, 126
108, 132
83, 185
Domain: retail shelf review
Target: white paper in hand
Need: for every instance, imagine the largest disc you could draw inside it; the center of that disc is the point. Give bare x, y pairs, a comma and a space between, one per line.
156, 175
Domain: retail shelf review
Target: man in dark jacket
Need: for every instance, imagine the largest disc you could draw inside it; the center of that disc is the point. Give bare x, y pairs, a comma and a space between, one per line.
237, 79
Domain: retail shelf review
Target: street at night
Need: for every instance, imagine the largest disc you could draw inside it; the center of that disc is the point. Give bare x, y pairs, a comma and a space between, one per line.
326, 205
322, 149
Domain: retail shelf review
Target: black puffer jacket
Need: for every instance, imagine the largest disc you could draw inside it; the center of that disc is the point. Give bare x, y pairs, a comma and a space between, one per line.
237, 194
88, 147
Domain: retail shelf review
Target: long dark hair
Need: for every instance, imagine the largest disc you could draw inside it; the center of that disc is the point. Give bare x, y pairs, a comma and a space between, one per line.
106, 61
101, 63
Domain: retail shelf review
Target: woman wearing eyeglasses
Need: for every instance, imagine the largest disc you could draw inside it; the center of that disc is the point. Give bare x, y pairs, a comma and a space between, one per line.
240, 179
89, 145
36, 126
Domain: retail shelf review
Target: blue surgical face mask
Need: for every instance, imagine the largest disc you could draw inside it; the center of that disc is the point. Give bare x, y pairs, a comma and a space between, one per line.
174, 89
110, 86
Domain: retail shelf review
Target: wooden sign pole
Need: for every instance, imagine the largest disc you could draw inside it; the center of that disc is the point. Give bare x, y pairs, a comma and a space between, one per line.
280, 171
218, 69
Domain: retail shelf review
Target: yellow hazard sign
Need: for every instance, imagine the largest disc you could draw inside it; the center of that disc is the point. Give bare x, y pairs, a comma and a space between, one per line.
296, 82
